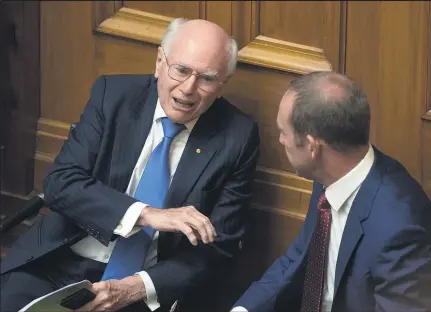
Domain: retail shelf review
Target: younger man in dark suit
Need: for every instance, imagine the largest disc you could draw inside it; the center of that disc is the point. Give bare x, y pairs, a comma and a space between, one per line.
366, 241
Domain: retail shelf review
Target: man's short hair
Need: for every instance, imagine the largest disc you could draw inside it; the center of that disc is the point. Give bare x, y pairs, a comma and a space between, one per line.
172, 31
331, 107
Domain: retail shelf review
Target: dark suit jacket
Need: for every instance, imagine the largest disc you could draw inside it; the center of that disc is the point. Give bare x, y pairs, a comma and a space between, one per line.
85, 187
384, 258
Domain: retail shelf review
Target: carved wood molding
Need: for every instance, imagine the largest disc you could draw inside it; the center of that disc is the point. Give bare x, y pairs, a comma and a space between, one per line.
283, 178
53, 126
281, 192
281, 212
282, 55
50, 137
261, 51
136, 25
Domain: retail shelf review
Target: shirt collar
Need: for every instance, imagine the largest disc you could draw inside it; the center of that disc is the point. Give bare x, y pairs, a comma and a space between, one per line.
160, 113
338, 192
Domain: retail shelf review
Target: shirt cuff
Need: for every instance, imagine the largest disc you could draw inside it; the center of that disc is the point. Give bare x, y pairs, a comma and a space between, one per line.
126, 227
239, 309
151, 301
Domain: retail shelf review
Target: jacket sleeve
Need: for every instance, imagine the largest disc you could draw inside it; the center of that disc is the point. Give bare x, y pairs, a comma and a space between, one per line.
402, 272
194, 265
69, 187
286, 272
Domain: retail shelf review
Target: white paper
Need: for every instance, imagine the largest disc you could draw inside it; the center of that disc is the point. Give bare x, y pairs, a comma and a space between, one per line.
51, 301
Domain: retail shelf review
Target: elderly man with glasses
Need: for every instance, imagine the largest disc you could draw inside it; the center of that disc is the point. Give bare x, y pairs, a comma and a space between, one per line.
148, 193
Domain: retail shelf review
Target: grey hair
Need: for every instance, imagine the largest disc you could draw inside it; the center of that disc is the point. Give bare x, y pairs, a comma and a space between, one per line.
172, 31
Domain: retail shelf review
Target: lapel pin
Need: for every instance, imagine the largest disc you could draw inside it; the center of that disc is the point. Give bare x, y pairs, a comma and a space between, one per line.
198, 150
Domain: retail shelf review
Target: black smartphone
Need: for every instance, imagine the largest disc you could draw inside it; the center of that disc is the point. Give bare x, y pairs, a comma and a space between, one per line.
78, 299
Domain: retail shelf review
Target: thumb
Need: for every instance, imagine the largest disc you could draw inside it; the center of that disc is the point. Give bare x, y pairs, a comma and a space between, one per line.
96, 287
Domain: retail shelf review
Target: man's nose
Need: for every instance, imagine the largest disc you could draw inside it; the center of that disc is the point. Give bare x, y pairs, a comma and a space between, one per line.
189, 85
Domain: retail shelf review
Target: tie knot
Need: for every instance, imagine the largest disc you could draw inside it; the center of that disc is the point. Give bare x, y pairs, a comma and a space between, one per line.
171, 129
323, 202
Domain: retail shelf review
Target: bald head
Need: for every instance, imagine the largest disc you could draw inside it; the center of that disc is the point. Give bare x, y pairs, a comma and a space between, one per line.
329, 106
202, 35
329, 86
203, 30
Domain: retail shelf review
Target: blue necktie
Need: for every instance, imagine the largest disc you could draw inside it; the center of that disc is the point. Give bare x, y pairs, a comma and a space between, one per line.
128, 256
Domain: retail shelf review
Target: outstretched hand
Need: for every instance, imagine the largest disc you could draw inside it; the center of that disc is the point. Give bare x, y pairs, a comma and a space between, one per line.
187, 220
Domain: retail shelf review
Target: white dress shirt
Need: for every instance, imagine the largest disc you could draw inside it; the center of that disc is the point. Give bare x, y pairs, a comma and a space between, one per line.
340, 196
91, 248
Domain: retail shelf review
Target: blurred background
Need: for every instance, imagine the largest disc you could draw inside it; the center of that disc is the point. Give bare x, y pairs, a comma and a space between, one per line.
51, 52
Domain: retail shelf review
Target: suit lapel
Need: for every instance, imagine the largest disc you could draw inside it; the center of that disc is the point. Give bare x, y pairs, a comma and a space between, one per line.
359, 211
199, 150
133, 129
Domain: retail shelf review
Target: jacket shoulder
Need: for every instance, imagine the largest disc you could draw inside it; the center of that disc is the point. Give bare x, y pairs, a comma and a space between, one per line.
230, 116
127, 82
400, 198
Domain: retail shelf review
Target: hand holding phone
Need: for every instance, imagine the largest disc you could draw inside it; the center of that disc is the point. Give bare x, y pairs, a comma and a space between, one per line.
78, 299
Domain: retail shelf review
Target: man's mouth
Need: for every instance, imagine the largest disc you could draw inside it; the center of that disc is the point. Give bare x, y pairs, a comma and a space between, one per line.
181, 103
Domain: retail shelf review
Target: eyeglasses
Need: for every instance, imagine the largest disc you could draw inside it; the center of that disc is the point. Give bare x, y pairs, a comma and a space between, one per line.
207, 82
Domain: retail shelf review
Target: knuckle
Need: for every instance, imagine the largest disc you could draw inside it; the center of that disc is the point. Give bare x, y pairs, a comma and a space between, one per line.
104, 296
201, 227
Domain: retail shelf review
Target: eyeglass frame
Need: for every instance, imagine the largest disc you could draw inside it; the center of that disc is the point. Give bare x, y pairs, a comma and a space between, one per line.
198, 74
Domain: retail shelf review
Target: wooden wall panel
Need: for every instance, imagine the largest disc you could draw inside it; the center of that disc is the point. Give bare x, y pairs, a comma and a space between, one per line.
121, 56
362, 50
249, 95
187, 9
426, 127
19, 93
311, 23
220, 12
67, 57
67, 62
388, 59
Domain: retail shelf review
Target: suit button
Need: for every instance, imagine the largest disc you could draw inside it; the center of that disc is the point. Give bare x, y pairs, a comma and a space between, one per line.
240, 245
29, 259
65, 241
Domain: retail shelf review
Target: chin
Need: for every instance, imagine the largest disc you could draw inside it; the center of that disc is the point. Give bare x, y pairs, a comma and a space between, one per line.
178, 117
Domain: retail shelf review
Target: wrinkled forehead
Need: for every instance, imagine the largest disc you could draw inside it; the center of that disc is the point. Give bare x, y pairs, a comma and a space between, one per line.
199, 54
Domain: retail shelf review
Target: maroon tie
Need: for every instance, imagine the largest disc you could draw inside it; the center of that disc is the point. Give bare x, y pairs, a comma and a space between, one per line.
315, 271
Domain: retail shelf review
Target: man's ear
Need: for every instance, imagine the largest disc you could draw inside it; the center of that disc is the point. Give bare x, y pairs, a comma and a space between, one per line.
314, 146
223, 86
159, 61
